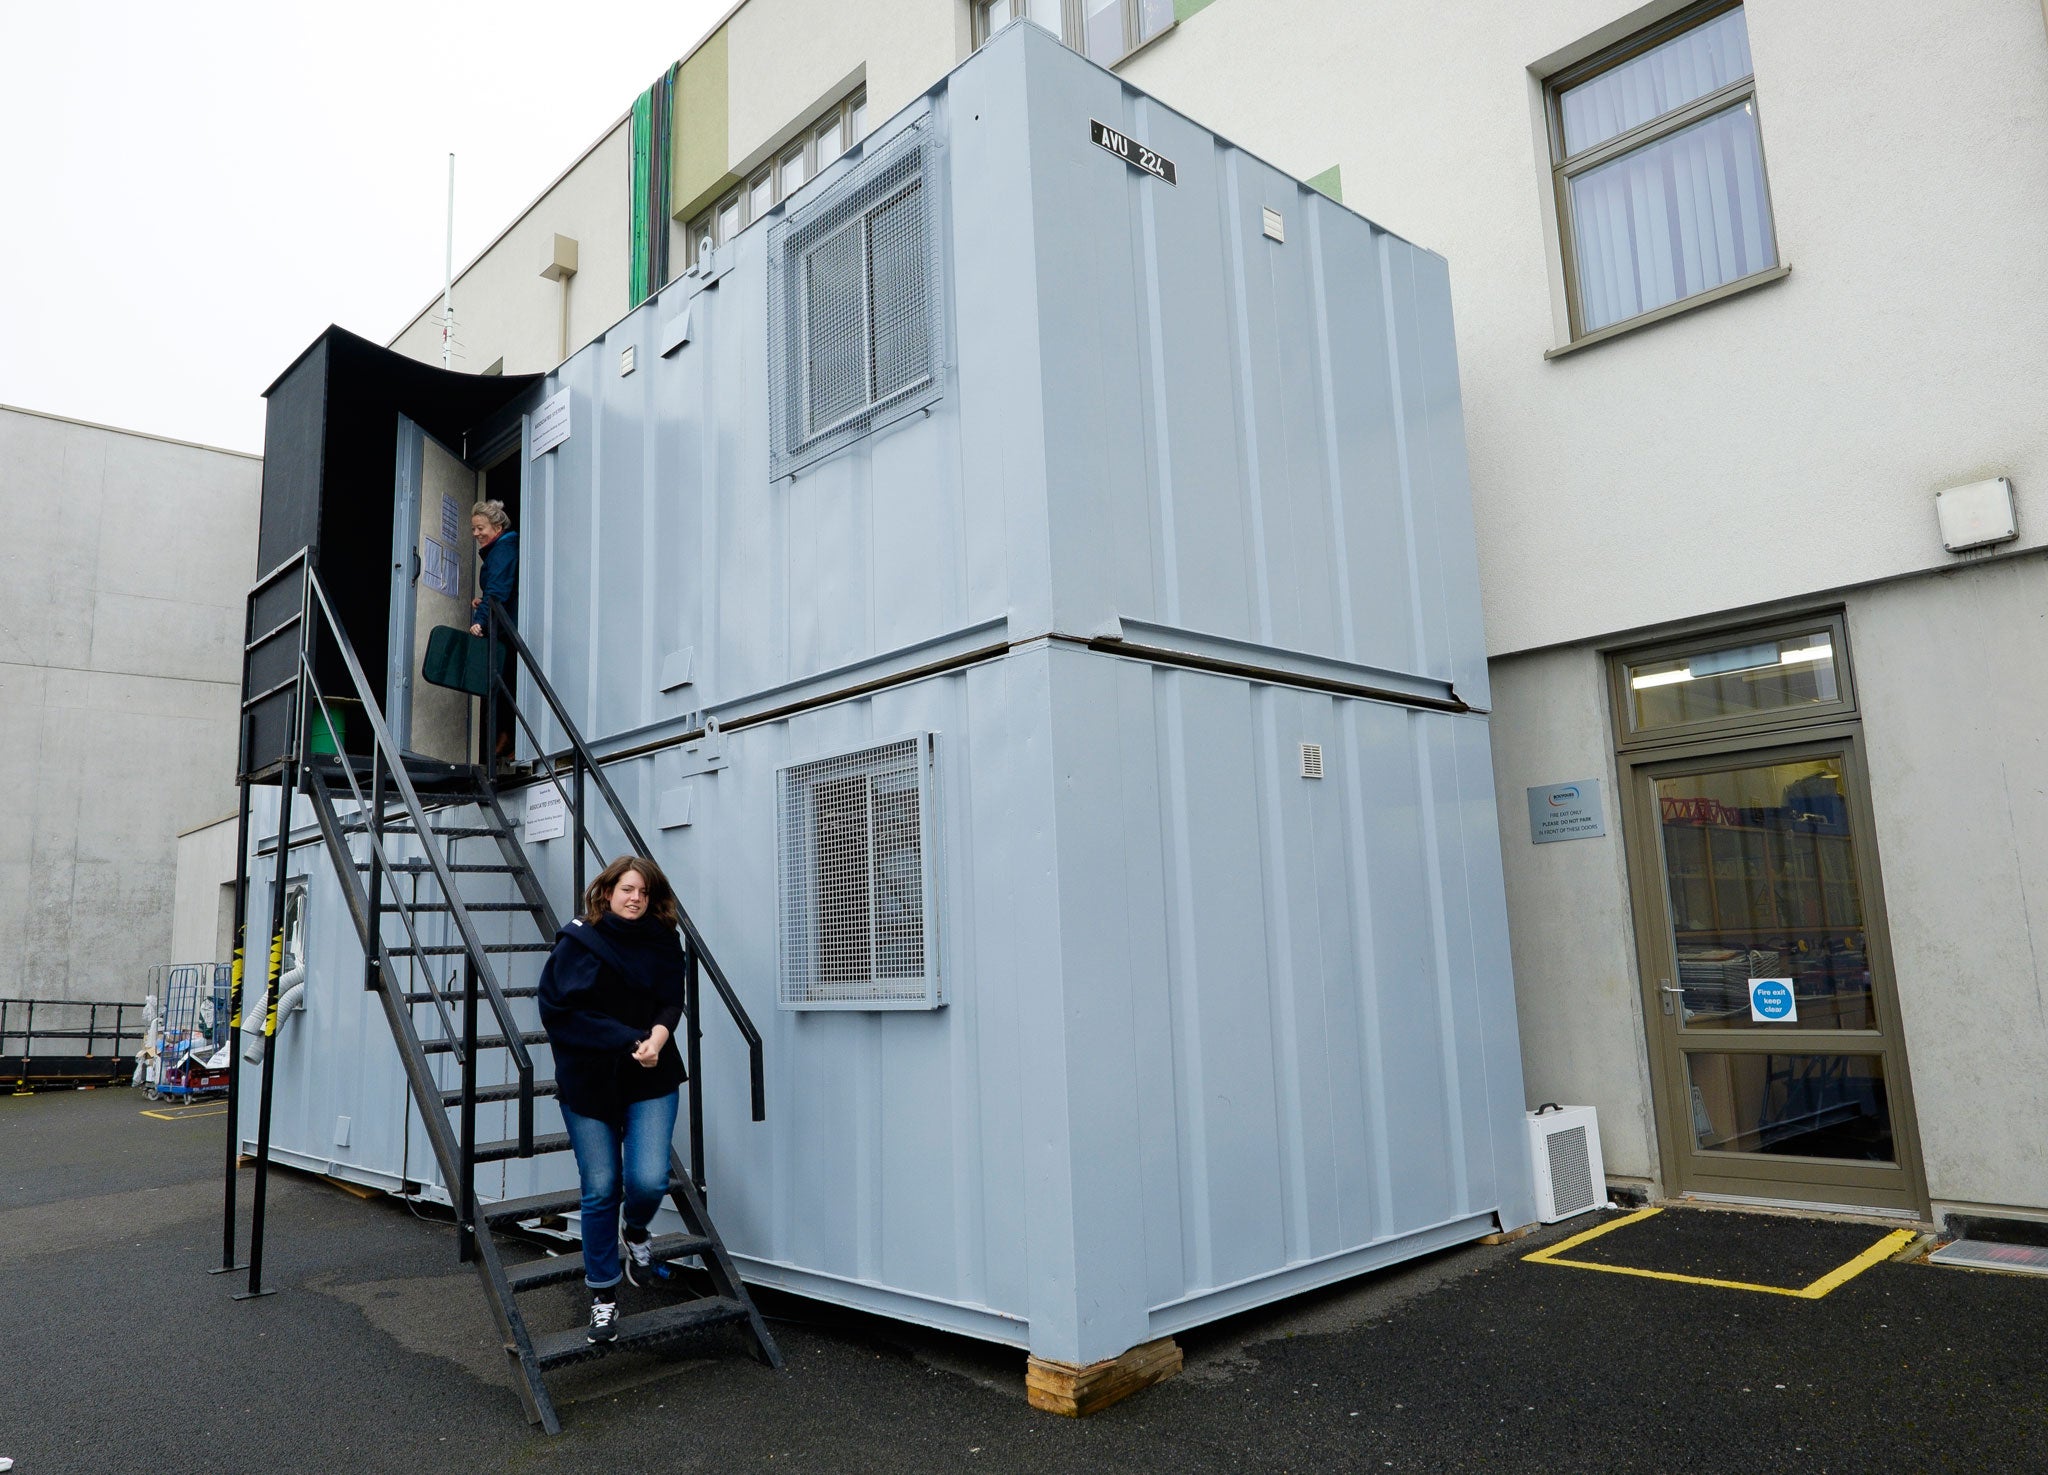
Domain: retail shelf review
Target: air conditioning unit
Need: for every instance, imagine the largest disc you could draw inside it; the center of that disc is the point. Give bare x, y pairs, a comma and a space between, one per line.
1564, 1147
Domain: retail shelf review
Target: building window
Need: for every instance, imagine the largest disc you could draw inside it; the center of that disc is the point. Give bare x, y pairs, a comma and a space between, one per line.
821, 141
1103, 30
855, 310
1659, 169
1766, 675
857, 900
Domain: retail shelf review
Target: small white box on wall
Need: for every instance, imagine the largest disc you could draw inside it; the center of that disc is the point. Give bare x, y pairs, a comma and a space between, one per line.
1977, 515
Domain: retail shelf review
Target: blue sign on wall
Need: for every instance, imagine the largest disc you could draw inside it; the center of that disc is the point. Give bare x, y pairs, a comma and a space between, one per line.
1771, 1001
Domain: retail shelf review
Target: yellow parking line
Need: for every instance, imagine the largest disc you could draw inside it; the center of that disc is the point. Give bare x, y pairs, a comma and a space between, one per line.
185, 1114
1884, 1249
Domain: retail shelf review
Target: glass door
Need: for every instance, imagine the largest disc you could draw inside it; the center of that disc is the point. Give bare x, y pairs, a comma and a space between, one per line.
1775, 1044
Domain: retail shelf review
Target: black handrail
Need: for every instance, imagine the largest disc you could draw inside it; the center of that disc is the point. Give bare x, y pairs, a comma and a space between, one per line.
92, 1032
387, 751
501, 627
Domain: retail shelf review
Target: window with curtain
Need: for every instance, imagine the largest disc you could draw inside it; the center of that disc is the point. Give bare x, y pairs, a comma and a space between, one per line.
1659, 169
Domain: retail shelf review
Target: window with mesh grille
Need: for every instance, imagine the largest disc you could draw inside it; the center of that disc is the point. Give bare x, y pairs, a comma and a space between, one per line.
855, 879
855, 314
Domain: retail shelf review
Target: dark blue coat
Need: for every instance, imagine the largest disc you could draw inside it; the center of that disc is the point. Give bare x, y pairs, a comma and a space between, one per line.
603, 989
500, 573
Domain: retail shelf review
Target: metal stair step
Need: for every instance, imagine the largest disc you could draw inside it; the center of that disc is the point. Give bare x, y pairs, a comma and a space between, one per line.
536, 1206
456, 949
409, 866
497, 1093
643, 1329
473, 906
453, 995
541, 1205
497, 1152
404, 827
484, 1042
556, 1268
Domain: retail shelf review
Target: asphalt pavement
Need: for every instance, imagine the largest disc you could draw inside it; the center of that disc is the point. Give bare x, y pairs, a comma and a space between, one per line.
1663, 1345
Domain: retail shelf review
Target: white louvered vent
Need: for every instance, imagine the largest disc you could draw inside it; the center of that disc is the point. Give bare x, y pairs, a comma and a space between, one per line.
1564, 1148
855, 311
1571, 1170
858, 908
1311, 760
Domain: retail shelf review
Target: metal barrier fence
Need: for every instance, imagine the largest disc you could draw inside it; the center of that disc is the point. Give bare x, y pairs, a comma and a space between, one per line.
48, 1042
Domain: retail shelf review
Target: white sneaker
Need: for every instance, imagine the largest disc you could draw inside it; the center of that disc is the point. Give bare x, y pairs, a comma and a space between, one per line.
637, 1258
604, 1321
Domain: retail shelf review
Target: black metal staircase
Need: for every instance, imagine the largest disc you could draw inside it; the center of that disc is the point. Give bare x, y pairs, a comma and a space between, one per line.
450, 913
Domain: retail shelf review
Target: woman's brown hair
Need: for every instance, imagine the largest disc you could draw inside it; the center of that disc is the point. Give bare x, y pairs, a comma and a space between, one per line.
661, 897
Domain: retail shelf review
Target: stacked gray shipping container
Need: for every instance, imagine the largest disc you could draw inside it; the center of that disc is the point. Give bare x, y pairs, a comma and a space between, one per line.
1184, 491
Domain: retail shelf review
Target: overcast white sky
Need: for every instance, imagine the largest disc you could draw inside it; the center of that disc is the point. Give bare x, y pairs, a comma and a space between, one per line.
189, 193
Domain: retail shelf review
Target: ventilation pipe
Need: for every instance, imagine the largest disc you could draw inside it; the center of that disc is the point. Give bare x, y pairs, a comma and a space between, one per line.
292, 1000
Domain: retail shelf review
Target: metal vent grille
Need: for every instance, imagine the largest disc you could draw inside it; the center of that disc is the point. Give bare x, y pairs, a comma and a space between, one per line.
1311, 760
1571, 1171
857, 908
855, 311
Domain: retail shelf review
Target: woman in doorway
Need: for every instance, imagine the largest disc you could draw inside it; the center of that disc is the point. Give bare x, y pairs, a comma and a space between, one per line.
497, 549
611, 998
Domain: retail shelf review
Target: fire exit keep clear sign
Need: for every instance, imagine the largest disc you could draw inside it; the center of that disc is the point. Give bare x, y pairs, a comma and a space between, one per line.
1131, 151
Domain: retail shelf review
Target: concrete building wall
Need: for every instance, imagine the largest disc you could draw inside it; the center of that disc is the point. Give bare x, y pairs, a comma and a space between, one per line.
505, 309
202, 919
123, 560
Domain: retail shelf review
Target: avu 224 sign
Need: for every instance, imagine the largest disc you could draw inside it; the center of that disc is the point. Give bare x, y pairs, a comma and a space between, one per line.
1131, 151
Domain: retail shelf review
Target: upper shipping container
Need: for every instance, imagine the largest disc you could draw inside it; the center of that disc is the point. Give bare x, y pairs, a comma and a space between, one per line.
1147, 418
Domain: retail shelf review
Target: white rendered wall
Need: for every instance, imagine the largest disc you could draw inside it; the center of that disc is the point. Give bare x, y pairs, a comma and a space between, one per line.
123, 559
1576, 991
787, 58
1785, 441
1949, 675
504, 307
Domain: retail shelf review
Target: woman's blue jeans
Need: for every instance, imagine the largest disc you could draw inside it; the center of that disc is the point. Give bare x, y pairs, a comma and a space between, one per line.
628, 1168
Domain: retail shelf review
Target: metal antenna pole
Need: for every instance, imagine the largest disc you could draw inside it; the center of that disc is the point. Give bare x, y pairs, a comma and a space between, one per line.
448, 277
234, 1134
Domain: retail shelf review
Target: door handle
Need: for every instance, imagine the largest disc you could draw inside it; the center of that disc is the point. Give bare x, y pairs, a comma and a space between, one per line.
1667, 988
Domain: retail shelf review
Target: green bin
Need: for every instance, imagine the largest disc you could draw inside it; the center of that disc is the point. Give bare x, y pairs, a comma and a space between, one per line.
331, 740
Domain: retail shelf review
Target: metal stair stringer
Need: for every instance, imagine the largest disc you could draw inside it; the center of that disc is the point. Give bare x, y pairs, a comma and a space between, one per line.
427, 1091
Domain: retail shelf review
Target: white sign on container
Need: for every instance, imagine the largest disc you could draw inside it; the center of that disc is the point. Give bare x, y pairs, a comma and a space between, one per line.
550, 425
547, 813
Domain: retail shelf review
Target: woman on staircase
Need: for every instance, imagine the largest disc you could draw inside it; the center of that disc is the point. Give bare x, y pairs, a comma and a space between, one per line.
611, 998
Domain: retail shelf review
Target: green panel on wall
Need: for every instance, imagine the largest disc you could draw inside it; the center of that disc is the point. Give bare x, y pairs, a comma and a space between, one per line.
1182, 9
701, 149
1329, 184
